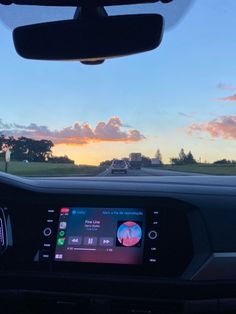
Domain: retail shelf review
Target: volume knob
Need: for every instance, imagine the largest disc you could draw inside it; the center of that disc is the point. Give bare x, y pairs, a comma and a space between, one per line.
152, 234
47, 232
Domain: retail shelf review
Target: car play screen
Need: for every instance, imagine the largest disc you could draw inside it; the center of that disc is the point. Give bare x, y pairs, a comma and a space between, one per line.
100, 235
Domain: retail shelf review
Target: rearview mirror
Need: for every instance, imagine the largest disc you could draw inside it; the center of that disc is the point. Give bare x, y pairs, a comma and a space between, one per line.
89, 39
76, 3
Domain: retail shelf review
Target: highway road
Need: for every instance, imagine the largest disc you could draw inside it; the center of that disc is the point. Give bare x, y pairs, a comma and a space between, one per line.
148, 172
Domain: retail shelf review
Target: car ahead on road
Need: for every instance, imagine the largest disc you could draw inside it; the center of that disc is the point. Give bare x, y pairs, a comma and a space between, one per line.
119, 166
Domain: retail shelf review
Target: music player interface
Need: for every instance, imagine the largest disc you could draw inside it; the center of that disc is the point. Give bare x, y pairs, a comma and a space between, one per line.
100, 235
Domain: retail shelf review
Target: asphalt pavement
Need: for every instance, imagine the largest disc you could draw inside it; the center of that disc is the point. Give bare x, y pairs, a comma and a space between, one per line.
148, 172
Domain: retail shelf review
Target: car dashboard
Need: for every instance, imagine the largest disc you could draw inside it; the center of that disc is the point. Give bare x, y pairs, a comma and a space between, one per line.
118, 245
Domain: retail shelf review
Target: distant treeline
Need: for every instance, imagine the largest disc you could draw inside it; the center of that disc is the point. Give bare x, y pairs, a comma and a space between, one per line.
24, 148
189, 159
182, 159
225, 162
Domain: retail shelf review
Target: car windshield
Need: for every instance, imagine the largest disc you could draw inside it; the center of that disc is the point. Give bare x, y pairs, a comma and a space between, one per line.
170, 111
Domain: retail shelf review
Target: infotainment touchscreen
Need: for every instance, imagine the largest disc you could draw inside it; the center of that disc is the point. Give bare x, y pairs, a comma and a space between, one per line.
100, 235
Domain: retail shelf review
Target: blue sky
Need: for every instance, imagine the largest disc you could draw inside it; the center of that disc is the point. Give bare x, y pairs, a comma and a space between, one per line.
161, 94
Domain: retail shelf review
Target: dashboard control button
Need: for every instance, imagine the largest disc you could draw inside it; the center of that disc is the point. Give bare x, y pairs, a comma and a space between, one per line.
47, 232
47, 245
44, 255
152, 234
90, 241
75, 241
59, 256
103, 241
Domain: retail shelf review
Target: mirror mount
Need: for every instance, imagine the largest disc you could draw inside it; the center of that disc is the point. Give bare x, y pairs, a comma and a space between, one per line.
87, 12
90, 11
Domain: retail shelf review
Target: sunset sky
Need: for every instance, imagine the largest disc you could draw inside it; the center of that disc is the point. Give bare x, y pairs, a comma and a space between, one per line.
180, 95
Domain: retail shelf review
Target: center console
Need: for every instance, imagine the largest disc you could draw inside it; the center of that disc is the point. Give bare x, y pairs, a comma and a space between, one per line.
123, 240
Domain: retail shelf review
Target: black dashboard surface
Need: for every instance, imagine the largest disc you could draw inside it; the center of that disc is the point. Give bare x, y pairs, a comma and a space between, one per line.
198, 242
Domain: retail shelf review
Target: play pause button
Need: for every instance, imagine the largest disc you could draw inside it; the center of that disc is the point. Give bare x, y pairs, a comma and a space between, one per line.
90, 241
106, 241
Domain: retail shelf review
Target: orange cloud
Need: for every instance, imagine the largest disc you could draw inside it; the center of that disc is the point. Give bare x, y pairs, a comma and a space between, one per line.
77, 134
228, 98
224, 127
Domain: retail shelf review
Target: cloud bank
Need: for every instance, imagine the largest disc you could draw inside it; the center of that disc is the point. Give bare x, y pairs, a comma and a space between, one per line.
222, 127
114, 130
